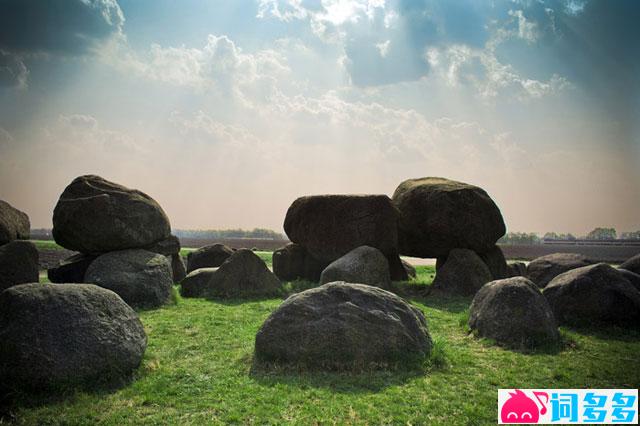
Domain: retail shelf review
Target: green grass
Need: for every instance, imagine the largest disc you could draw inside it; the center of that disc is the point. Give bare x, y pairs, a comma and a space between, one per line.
197, 370
47, 245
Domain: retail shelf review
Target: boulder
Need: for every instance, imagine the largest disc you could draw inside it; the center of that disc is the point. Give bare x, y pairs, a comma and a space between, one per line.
18, 264
143, 279
362, 265
243, 274
71, 270
593, 294
462, 273
438, 215
517, 269
293, 261
178, 270
94, 216
514, 313
543, 269
342, 325
632, 264
196, 281
495, 261
397, 269
632, 277
210, 256
409, 269
14, 224
56, 335
330, 226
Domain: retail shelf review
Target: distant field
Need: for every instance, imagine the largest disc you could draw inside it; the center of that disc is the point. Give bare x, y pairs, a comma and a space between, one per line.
601, 253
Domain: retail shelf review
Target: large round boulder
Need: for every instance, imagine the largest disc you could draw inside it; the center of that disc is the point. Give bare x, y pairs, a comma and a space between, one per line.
14, 224
196, 281
341, 325
632, 264
593, 294
210, 256
57, 335
71, 269
94, 215
243, 274
143, 279
543, 269
293, 261
461, 273
514, 313
438, 215
330, 226
18, 264
362, 265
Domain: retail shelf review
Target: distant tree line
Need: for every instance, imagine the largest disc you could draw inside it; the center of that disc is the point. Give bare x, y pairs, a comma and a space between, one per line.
229, 233
598, 234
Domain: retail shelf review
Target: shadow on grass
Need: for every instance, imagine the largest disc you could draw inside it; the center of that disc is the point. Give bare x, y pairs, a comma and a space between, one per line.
370, 381
286, 289
605, 332
567, 342
369, 378
13, 399
444, 302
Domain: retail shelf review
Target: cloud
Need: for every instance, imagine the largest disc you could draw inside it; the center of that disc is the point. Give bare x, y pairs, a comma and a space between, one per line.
220, 65
82, 135
57, 26
383, 48
527, 30
13, 72
325, 17
480, 69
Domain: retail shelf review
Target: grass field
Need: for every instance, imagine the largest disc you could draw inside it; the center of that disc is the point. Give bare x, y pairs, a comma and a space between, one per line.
197, 370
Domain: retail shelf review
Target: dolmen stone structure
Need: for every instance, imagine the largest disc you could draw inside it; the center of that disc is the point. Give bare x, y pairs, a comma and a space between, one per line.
592, 295
59, 335
456, 223
124, 232
326, 227
243, 274
343, 326
18, 258
514, 313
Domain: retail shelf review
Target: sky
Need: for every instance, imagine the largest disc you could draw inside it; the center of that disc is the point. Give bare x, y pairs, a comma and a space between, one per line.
225, 111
